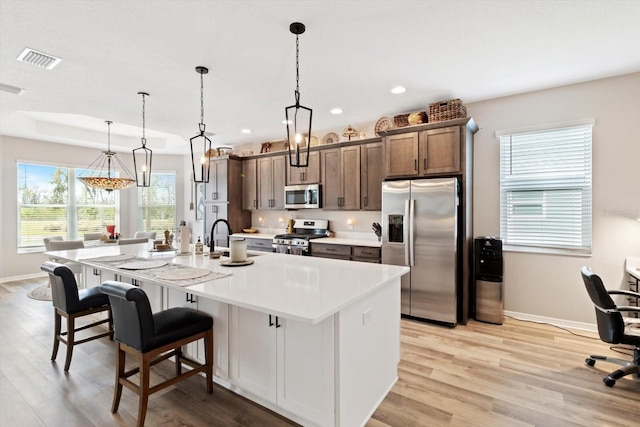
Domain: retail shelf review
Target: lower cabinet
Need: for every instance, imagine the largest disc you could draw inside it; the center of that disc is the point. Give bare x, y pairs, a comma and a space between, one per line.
288, 363
257, 244
220, 313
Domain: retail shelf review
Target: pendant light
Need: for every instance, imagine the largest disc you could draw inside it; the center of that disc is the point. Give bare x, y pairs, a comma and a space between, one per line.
200, 144
298, 117
142, 155
102, 172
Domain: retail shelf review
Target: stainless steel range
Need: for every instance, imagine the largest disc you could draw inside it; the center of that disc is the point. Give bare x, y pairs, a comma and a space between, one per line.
297, 242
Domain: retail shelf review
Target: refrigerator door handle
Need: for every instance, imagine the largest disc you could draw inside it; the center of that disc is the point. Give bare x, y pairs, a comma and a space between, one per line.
406, 233
412, 212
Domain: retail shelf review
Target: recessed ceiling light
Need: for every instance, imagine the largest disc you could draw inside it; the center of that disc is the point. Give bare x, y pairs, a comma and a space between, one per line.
11, 89
246, 131
336, 111
398, 89
40, 59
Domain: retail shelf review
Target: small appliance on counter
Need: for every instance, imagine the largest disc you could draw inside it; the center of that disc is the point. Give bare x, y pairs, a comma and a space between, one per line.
488, 266
303, 230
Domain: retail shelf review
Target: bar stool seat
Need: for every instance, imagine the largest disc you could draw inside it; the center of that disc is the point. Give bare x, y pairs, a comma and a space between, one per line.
71, 303
151, 338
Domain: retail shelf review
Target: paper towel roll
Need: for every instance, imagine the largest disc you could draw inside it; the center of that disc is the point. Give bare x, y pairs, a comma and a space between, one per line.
184, 239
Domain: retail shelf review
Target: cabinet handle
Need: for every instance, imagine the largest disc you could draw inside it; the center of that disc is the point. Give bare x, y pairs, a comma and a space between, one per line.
96, 272
366, 201
270, 321
424, 164
415, 164
255, 203
190, 298
277, 323
134, 282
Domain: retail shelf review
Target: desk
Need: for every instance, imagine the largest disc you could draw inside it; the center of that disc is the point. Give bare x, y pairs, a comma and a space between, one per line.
632, 267
316, 340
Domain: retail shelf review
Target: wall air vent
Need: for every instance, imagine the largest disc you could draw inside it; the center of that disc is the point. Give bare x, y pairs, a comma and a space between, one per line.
38, 58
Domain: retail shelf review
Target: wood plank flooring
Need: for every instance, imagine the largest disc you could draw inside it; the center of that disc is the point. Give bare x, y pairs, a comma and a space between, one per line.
516, 374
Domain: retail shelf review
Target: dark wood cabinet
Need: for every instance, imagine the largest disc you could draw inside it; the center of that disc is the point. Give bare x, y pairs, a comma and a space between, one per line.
259, 244
249, 184
346, 252
371, 176
308, 175
271, 181
340, 173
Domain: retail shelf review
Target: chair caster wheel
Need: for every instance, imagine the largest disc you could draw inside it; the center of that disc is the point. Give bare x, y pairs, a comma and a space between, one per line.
589, 361
609, 382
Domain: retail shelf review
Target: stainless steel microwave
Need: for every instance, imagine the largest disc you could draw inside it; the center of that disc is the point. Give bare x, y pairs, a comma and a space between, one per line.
303, 196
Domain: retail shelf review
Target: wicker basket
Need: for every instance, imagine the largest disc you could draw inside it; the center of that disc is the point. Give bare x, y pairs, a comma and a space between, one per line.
446, 110
401, 120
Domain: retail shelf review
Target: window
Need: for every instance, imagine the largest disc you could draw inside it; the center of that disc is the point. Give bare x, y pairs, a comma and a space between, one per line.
157, 204
545, 188
52, 202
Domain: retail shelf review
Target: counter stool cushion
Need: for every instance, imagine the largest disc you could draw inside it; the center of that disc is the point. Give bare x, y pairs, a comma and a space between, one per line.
151, 338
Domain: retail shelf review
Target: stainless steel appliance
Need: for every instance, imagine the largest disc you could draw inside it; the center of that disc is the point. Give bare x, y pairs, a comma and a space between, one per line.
297, 242
420, 230
303, 196
488, 268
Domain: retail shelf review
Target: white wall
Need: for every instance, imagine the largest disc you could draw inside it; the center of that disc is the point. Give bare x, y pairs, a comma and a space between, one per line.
13, 150
550, 285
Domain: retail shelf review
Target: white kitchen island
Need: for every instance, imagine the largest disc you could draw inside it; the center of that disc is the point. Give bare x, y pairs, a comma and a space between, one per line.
316, 340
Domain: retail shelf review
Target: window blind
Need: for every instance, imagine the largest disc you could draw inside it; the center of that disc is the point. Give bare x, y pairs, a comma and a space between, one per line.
157, 203
545, 188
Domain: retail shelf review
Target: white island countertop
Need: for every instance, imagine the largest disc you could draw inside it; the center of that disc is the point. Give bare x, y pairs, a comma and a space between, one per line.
305, 289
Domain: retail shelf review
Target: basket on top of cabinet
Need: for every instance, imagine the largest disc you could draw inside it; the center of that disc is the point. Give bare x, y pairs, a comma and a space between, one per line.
446, 110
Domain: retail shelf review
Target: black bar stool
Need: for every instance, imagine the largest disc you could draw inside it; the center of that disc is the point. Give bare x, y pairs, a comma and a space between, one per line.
153, 337
71, 303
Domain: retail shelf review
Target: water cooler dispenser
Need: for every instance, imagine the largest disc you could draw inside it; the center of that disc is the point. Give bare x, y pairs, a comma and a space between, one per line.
488, 267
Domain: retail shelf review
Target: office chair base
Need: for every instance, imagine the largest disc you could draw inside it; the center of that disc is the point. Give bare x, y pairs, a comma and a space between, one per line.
628, 367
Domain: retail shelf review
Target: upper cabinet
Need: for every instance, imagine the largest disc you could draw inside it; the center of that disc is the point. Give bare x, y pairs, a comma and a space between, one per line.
308, 175
271, 181
217, 187
428, 152
340, 173
249, 184
371, 176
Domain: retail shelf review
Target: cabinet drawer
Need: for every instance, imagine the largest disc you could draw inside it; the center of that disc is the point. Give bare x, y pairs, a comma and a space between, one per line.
366, 252
260, 244
333, 250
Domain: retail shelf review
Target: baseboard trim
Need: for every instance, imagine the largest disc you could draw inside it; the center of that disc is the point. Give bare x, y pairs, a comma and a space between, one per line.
23, 277
569, 324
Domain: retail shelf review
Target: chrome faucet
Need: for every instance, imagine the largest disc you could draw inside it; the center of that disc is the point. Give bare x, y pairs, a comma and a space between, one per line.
212, 241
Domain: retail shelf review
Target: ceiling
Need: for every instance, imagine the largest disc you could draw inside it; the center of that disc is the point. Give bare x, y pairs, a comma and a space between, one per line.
351, 55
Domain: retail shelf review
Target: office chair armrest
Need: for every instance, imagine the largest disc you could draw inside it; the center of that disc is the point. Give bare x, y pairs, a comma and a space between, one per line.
624, 292
627, 308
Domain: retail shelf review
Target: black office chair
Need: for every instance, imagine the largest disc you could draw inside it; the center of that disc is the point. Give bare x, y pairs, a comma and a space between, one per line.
153, 337
71, 303
611, 326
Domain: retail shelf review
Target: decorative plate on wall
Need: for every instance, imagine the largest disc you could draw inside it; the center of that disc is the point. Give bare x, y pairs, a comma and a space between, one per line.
383, 123
330, 138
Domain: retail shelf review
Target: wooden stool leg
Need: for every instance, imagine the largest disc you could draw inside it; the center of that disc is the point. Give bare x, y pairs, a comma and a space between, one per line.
144, 364
117, 392
110, 317
56, 333
70, 339
208, 355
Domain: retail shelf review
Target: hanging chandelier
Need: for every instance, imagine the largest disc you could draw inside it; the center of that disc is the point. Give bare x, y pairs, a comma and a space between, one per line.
102, 172
142, 155
298, 117
200, 144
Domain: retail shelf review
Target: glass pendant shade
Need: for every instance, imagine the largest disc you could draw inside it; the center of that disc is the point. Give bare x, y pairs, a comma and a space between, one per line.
200, 144
142, 155
103, 172
298, 119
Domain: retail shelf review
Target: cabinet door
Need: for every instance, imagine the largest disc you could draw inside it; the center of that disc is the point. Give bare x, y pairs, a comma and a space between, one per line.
330, 166
265, 183
253, 352
371, 177
308, 175
305, 367
249, 185
216, 188
350, 177
440, 150
91, 277
220, 313
401, 155
278, 181
175, 298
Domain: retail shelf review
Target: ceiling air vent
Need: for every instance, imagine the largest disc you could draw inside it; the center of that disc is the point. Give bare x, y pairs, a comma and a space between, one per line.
38, 58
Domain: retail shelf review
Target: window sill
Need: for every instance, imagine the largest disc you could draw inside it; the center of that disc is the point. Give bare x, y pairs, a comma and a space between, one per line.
545, 251
31, 250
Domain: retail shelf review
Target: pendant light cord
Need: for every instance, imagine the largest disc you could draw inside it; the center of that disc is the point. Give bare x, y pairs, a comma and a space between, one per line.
144, 140
297, 92
201, 99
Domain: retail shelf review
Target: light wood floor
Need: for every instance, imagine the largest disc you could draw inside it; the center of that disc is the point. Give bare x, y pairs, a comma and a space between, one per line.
517, 374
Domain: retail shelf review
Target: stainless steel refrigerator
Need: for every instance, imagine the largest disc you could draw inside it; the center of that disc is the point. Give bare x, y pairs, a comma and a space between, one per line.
420, 230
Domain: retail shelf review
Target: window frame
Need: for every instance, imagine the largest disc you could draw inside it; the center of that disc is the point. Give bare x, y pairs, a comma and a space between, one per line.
576, 184
142, 204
